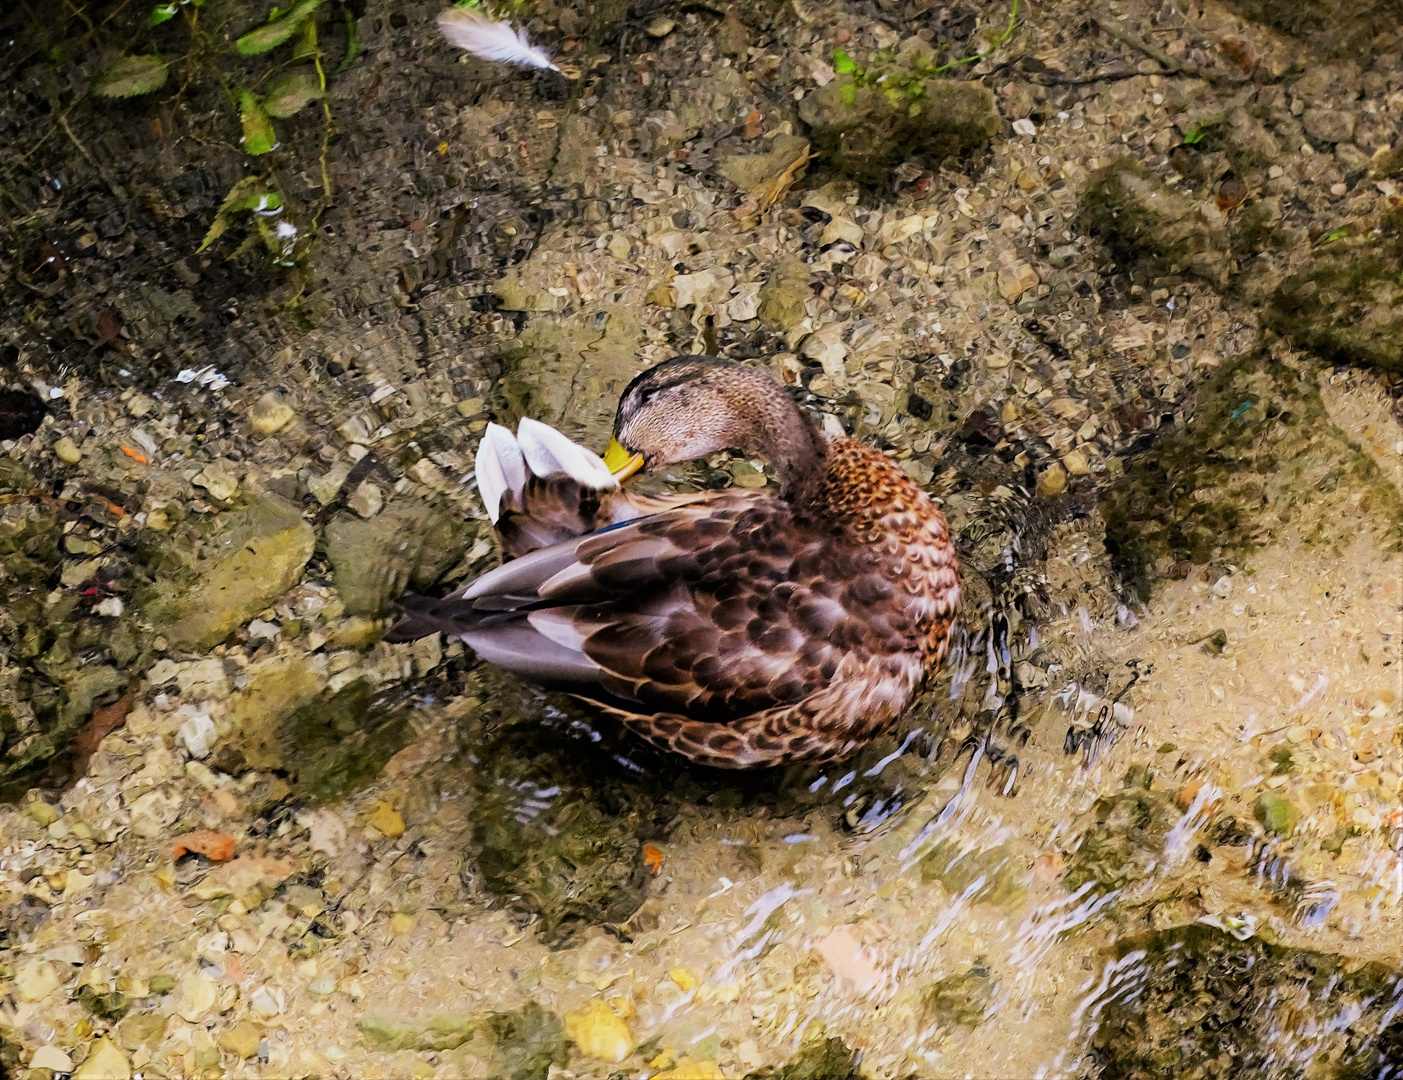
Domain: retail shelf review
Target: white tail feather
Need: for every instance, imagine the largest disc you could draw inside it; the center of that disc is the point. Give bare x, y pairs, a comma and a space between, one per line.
488, 40
500, 468
549, 453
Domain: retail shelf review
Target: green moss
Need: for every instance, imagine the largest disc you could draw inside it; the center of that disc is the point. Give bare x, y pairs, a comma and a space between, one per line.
1344, 28
1259, 455
961, 1000
1200, 1003
827, 1059
375, 560
109, 1005
50, 632
1347, 303
337, 744
257, 557
1276, 814
1142, 218
994, 873
522, 1044
556, 838
1125, 840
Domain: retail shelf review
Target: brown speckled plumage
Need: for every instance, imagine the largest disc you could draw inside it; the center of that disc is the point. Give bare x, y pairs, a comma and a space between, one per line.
740, 628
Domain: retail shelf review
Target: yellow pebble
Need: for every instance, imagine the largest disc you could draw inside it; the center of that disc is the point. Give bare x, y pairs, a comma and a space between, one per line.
401, 924
598, 1032
384, 817
683, 978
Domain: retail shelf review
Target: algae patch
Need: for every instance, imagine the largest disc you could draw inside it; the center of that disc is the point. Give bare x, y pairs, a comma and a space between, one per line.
826, 1059
1347, 303
375, 560
558, 836
327, 744
1260, 454
1140, 216
522, 1044
1190, 998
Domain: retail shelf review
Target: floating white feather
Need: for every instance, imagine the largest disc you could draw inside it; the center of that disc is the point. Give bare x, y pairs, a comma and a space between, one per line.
496, 41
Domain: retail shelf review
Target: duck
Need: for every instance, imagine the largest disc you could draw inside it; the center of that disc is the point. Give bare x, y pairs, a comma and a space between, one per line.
739, 628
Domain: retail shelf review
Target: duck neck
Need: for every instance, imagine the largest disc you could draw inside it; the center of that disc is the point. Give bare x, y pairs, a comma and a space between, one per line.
796, 449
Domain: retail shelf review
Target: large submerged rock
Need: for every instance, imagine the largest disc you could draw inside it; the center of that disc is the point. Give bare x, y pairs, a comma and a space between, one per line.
258, 557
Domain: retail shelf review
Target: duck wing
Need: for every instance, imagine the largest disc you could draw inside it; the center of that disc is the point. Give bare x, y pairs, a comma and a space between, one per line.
541, 489
717, 610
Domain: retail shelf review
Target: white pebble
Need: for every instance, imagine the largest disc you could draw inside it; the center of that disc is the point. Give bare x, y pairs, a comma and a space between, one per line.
196, 734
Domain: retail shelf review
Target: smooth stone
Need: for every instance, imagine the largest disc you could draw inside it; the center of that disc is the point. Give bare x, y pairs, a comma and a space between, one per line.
270, 413
35, 981
104, 1062
51, 1058
66, 450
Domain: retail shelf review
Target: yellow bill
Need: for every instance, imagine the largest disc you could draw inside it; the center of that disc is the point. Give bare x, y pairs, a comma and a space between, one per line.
619, 461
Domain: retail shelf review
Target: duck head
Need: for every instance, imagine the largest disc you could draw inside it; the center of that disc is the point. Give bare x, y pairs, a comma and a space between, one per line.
692, 406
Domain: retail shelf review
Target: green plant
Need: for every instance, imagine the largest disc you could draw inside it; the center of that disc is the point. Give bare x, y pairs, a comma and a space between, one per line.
260, 99
909, 82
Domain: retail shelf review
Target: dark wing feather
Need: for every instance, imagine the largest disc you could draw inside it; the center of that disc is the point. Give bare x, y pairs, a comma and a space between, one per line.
557, 509
717, 610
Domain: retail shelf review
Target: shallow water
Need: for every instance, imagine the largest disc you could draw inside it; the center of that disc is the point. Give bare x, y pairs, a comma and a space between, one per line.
1145, 822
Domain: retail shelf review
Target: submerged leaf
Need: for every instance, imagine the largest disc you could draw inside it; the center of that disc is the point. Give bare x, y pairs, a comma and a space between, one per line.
274, 32
291, 94
352, 39
259, 136
131, 75
250, 193
306, 47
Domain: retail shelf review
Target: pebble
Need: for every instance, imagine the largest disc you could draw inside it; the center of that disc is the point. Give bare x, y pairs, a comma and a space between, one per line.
661, 27
196, 997
105, 1061
41, 813
1052, 481
270, 413
264, 1003
217, 482
1328, 125
385, 818
1017, 279
324, 985
242, 1039
66, 450
51, 1058
141, 1029
197, 734
598, 1032
367, 500
1076, 463
35, 980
